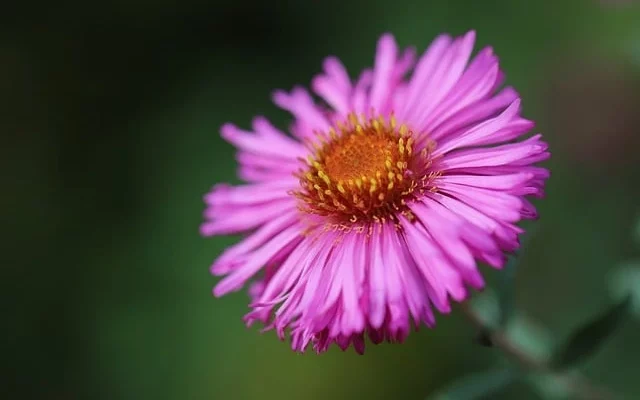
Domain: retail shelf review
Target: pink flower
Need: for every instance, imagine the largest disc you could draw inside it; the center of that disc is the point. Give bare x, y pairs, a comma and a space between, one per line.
381, 203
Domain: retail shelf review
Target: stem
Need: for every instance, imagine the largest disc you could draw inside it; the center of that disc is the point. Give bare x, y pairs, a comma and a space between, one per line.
578, 385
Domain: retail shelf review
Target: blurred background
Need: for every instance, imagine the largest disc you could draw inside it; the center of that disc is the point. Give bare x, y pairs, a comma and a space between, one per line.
110, 119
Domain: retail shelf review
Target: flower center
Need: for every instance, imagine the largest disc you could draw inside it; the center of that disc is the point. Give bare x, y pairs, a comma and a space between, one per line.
365, 171
360, 156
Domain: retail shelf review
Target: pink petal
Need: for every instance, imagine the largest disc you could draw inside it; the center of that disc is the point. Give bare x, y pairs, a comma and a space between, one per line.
382, 73
259, 259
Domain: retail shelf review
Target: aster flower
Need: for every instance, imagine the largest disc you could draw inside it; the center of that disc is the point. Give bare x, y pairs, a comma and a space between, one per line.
379, 205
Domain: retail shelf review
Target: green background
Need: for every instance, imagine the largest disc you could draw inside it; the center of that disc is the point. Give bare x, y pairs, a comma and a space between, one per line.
111, 112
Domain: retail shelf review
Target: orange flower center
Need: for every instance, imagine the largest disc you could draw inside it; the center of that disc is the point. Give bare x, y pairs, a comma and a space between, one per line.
364, 171
360, 156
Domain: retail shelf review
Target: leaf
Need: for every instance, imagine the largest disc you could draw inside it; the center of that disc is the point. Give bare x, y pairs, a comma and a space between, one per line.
532, 338
587, 339
476, 386
548, 386
487, 307
625, 281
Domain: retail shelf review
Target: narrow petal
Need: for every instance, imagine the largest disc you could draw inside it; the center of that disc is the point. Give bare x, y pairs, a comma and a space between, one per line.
231, 220
440, 276
255, 240
301, 105
474, 113
447, 233
522, 153
480, 131
410, 282
382, 73
421, 77
360, 98
258, 260
476, 84
334, 85
377, 283
444, 78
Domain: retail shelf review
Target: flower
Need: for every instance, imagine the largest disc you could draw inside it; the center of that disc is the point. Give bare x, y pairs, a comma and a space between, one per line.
381, 203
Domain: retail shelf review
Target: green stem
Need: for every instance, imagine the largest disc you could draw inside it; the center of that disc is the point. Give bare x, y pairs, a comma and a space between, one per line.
579, 386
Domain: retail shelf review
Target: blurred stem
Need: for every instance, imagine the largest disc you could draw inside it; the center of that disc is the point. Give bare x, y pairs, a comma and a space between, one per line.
579, 386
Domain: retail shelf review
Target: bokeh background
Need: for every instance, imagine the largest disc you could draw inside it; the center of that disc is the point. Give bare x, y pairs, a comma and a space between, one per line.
110, 118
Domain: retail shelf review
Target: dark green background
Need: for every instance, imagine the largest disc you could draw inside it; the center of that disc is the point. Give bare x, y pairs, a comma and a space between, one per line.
110, 116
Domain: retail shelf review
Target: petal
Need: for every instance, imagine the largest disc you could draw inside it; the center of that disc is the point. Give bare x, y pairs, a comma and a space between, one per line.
441, 278
301, 105
223, 194
480, 131
292, 269
334, 85
352, 315
477, 82
383, 72
233, 209
258, 260
473, 113
397, 320
359, 99
257, 239
505, 233
523, 153
494, 204
410, 282
421, 78
266, 145
377, 283
447, 233
278, 139
444, 78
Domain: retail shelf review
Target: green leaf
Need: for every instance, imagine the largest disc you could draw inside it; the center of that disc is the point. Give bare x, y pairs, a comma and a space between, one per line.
625, 281
587, 339
476, 386
487, 307
548, 386
531, 337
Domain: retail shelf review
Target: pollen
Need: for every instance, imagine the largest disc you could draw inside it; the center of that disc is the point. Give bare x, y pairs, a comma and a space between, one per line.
364, 170
357, 156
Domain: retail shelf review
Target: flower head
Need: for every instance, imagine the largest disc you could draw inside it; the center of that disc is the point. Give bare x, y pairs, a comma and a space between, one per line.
380, 204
